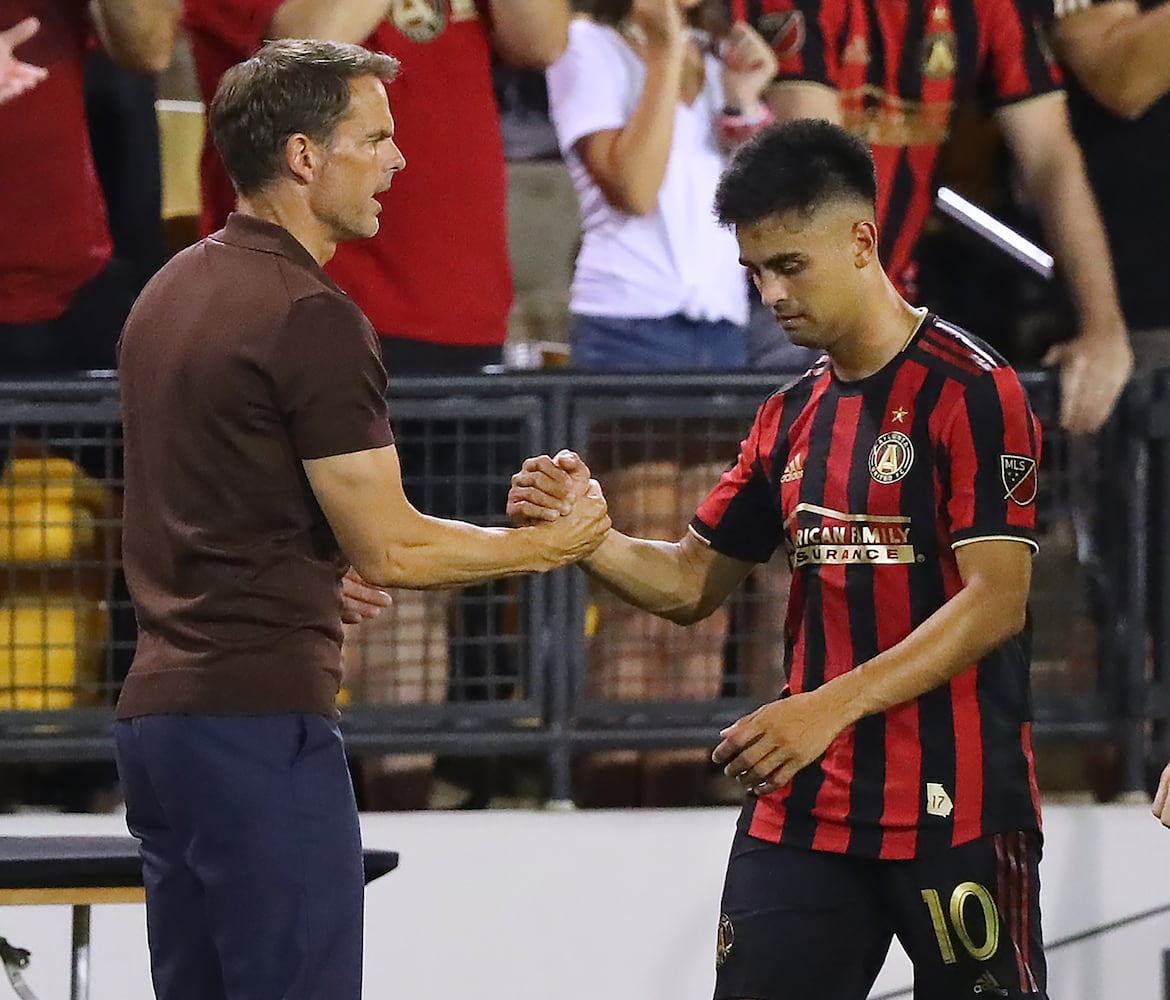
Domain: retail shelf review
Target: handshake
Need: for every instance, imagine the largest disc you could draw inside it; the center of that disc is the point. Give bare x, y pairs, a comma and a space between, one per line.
557, 498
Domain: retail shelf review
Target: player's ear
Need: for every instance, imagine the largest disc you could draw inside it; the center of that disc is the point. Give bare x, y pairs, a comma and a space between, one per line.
865, 242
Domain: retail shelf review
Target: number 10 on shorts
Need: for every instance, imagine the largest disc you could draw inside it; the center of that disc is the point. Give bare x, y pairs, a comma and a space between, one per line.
964, 892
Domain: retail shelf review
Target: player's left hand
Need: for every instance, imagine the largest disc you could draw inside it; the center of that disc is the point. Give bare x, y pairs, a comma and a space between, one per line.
764, 750
1093, 370
1162, 798
359, 601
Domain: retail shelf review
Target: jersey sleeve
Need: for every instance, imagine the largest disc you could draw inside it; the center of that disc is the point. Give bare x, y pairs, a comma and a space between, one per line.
1019, 63
328, 379
795, 30
740, 517
991, 454
587, 86
241, 24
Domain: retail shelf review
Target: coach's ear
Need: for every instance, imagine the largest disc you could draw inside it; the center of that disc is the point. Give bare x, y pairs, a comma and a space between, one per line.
865, 243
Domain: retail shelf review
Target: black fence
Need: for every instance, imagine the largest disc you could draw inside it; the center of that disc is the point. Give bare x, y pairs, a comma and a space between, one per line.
547, 665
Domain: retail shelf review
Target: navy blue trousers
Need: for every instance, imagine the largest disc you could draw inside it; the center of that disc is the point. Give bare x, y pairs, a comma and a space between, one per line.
251, 855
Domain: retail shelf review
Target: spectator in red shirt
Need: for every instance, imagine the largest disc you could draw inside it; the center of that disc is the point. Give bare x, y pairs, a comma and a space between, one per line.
435, 282
62, 300
893, 74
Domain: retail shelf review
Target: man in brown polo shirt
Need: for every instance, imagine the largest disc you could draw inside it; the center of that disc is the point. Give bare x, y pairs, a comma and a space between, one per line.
259, 463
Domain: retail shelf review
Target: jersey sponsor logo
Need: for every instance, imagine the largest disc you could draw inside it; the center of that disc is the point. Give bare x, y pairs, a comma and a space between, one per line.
794, 470
1018, 473
725, 940
858, 542
938, 802
784, 31
891, 457
419, 20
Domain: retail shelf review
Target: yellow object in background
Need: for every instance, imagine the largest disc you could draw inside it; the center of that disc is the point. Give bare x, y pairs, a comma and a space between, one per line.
50, 652
56, 564
49, 511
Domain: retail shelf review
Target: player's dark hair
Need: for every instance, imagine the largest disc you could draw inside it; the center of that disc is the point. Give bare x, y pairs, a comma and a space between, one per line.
290, 85
794, 166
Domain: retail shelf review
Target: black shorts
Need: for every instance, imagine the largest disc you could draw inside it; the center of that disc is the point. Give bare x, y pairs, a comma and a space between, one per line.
810, 925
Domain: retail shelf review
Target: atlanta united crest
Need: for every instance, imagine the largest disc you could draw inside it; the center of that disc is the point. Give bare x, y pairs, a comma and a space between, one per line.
725, 940
419, 20
891, 457
1018, 473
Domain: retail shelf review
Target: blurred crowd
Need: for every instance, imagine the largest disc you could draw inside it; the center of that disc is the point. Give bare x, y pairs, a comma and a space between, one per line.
1055, 118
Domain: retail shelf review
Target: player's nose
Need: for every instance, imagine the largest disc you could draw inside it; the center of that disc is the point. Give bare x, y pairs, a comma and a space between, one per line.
772, 288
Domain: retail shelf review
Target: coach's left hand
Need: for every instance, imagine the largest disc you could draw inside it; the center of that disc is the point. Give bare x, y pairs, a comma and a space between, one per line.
764, 750
359, 601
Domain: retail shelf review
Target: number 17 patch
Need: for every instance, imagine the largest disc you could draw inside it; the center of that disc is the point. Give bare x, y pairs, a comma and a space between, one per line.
1018, 473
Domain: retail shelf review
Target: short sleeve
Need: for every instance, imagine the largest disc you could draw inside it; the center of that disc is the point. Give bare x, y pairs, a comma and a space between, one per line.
1019, 60
588, 86
242, 24
740, 517
795, 30
328, 379
991, 452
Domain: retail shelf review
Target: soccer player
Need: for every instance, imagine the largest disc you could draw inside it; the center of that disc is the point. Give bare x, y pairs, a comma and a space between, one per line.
894, 74
893, 782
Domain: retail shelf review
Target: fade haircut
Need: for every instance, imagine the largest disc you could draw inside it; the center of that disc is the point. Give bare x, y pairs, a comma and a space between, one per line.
290, 85
796, 166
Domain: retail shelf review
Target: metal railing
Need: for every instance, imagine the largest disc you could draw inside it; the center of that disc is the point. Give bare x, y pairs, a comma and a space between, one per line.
547, 665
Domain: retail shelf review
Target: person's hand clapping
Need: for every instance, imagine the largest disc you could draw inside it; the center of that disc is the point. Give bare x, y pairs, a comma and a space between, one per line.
15, 76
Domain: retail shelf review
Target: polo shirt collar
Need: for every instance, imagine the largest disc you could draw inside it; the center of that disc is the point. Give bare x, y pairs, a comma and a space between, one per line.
255, 234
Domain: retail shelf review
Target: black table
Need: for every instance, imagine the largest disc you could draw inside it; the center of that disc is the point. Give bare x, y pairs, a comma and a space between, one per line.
81, 871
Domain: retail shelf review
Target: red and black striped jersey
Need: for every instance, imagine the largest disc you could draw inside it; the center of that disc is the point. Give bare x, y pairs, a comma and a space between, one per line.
871, 486
900, 69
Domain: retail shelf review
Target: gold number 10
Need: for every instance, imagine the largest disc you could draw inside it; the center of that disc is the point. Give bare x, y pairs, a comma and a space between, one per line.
959, 897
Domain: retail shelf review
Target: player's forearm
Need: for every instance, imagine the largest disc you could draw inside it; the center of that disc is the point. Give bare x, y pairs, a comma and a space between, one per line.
336, 20
433, 553
530, 33
650, 575
964, 630
1060, 188
138, 35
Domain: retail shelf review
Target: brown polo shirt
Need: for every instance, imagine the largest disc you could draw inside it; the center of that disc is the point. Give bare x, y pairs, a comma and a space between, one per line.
240, 359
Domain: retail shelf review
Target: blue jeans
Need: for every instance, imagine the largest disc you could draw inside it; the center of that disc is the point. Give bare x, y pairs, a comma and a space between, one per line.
672, 343
251, 855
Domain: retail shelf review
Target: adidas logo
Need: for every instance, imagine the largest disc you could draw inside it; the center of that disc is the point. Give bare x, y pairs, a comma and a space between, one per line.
988, 985
794, 470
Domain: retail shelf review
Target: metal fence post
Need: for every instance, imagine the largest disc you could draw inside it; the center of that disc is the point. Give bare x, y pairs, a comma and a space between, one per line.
558, 655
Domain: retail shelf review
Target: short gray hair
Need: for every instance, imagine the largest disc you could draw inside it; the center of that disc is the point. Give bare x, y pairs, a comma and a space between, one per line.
290, 85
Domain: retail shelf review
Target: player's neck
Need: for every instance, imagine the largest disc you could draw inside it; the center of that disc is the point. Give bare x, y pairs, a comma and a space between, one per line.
292, 213
883, 331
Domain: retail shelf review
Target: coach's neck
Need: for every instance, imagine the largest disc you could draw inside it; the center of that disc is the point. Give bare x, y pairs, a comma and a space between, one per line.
287, 205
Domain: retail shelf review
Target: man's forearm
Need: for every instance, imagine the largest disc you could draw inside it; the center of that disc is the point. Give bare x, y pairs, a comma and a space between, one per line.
138, 35
964, 630
336, 20
530, 33
1068, 210
650, 575
439, 553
